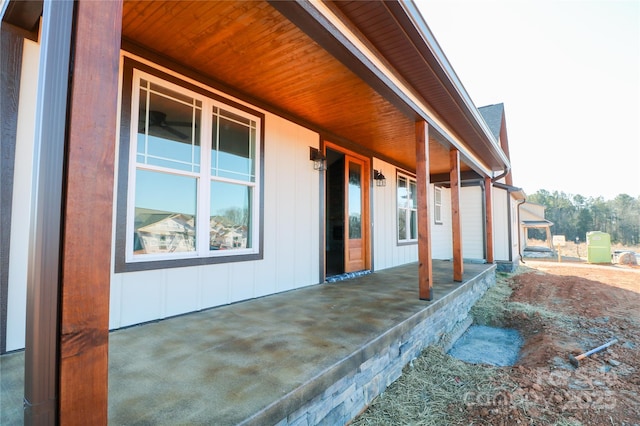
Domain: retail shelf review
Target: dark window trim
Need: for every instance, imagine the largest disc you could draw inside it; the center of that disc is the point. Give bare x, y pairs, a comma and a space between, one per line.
121, 264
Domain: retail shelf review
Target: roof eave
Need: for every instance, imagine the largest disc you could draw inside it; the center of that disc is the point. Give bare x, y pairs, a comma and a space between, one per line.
471, 111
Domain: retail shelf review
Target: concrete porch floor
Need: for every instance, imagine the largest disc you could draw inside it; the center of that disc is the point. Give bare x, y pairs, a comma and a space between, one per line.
252, 362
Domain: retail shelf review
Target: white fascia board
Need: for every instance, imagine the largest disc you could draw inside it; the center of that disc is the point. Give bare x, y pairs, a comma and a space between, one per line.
429, 39
395, 83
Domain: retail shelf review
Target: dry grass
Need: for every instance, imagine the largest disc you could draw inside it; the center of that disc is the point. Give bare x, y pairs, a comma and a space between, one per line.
437, 389
434, 390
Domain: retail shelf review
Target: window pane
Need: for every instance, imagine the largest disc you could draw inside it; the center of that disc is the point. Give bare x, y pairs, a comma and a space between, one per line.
413, 191
403, 194
165, 213
355, 200
414, 225
169, 130
233, 147
230, 224
437, 209
402, 224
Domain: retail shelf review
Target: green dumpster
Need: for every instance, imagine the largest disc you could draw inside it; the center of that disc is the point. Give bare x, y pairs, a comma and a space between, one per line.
598, 247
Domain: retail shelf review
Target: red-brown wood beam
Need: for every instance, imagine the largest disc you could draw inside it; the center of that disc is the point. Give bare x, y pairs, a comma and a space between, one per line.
86, 252
488, 201
456, 221
425, 270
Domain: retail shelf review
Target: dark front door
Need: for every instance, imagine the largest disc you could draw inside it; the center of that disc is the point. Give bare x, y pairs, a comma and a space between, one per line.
346, 214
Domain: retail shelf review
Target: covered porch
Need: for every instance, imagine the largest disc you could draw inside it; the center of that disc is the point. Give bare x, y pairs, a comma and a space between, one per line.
264, 361
370, 80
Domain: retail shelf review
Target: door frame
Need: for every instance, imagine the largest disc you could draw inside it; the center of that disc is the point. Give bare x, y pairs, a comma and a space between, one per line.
366, 207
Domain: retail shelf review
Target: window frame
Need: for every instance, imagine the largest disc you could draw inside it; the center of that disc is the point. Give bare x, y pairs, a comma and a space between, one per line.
125, 260
437, 206
410, 179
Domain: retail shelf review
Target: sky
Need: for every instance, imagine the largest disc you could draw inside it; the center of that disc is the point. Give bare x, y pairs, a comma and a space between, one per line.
568, 73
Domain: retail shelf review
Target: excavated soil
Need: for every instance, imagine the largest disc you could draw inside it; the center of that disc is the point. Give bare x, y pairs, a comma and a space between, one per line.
576, 307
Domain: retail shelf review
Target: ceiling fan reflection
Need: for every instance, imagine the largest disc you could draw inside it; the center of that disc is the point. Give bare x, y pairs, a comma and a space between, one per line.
159, 119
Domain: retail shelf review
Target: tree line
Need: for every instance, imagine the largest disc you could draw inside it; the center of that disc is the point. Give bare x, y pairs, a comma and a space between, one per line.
574, 215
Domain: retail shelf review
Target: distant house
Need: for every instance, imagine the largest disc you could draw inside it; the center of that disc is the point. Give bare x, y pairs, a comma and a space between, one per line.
532, 217
268, 145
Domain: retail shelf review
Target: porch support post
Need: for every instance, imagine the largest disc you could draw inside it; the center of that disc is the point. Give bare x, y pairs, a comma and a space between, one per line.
425, 270
488, 201
456, 222
43, 276
86, 254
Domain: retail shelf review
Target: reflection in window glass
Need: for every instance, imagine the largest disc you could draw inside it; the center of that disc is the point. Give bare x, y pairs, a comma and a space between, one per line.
173, 182
437, 205
355, 201
168, 129
230, 222
407, 201
233, 146
165, 213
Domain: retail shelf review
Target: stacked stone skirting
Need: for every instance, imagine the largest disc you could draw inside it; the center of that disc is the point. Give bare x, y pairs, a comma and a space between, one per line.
345, 390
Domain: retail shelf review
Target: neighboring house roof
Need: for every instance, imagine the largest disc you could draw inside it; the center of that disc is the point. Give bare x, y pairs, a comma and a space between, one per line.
536, 223
492, 115
495, 118
517, 193
532, 216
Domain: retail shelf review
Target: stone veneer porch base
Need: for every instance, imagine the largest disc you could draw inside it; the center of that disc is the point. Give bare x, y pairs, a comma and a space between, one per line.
343, 391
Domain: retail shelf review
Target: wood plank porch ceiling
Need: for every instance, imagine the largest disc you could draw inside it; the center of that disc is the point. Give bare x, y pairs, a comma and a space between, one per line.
252, 48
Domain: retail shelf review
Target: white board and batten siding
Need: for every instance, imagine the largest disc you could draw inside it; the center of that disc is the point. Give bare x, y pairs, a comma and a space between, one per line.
472, 219
515, 228
501, 205
291, 243
21, 201
441, 237
387, 253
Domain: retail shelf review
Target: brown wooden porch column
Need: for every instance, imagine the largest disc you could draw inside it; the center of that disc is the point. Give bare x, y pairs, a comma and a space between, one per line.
88, 204
456, 222
425, 270
488, 201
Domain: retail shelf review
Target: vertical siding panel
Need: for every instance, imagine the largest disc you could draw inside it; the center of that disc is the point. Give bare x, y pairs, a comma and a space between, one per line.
241, 280
441, 233
115, 298
215, 285
142, 295
266, 272
472, 219
181, 291
285, 206
387, 252
306, 221
501, 224
21, 199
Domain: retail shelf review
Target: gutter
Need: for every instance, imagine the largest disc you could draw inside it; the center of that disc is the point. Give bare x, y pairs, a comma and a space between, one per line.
501, 175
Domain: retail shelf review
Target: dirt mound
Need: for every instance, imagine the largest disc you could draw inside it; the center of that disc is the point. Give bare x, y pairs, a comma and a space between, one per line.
559, 309
576, 308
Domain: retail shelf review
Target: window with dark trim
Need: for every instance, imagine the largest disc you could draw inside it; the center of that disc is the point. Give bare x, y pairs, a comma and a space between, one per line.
437, 205
407, 208
190, 180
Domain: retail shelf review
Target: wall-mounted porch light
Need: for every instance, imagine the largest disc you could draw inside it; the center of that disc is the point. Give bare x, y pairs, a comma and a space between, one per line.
319, 160
379, 178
